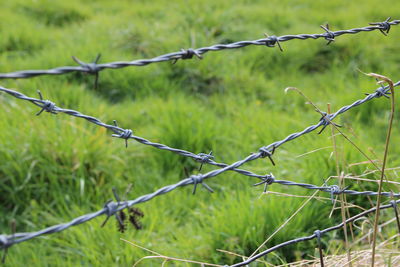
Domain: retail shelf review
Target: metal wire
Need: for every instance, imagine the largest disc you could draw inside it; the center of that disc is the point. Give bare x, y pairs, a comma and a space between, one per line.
126, 134
111, 208
270, 41
265, 151
333, 189
313, 236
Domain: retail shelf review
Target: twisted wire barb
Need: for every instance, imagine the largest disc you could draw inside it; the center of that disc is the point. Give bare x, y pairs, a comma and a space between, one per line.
313, 236
269, 41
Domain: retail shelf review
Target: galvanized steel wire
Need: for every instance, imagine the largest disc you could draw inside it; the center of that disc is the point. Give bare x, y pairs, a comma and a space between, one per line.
265, 151
270, 41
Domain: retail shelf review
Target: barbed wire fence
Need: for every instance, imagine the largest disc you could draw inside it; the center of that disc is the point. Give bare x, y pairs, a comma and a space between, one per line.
112, 208
270, 41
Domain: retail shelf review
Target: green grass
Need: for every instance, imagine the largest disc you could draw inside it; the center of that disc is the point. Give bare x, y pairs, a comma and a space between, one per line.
55, 168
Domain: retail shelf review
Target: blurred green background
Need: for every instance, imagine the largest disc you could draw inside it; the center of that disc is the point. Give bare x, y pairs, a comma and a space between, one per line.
55, 168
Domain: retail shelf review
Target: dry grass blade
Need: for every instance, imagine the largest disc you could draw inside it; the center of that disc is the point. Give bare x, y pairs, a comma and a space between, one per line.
165, 258
341, 185
333, 124
381, 79
286, 222
356, 178
242, 256
322, 199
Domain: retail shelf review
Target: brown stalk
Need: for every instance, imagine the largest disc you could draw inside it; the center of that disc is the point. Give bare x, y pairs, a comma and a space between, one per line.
389, 131
337, 129
341, 185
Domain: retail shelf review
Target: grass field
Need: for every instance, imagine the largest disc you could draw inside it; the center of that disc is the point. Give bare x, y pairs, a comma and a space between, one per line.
54, 167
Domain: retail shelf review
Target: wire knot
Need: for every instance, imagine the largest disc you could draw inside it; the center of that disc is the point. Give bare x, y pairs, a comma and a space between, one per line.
126, 134
321, 256
267, 180
381, 91
4, 242
91, 68
198, 179
272, 41
328, 35
384, 26
188, 54
123, 133
326, 119
112, 209
266, 152
205, 158
336, 190
46, 105
318, 235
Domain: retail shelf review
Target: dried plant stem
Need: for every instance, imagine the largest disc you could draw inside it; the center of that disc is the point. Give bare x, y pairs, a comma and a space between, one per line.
285, 223
333, 124
166, 258
342, 185
389, 131
336, 128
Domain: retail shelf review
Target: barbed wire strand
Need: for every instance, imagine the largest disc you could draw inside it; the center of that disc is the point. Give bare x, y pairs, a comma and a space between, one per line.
313, 236
126, 134
265, 151
111, 208
333, 189
269, 41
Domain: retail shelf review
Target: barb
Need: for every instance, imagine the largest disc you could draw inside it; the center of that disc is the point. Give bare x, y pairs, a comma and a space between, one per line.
394, 205
329, 35
90, 68
313, 236
269, 41
384, 26
317, 233
205, 158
